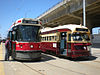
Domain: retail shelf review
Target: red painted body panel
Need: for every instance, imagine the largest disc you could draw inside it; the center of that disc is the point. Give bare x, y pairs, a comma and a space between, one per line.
85, 44
48, 46
81, 52
72, 50
26, 46
63, 30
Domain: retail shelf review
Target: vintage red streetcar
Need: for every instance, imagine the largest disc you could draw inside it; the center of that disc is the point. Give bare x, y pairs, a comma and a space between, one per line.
25, 42
68, 40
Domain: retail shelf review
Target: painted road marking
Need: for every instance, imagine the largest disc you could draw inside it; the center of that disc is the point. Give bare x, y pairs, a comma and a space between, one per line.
1, 59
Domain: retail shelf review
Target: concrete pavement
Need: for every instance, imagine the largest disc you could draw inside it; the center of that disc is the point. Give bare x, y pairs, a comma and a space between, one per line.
51, 65
1, 61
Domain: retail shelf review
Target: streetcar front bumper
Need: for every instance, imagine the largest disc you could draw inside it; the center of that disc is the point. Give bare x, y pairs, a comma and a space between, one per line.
76, 54
28, 55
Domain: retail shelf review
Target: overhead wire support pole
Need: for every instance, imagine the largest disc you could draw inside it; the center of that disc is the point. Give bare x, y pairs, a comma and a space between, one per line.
84, 14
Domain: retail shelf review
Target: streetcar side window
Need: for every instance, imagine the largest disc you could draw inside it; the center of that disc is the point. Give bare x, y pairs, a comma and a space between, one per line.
43, 38
55, 38
47, 38
50, 38
69, 37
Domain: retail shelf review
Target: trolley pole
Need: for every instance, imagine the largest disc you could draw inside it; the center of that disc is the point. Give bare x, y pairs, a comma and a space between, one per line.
84, 14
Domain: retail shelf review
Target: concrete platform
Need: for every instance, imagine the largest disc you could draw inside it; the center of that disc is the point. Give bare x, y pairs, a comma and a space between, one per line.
51, 65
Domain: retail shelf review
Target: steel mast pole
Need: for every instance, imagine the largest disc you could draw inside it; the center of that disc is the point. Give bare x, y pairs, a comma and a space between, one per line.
84, 14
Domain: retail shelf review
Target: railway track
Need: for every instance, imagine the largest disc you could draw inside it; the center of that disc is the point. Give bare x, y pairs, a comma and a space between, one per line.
48, 63
60, 60
41, 72
55, 65
38, 71
65, 68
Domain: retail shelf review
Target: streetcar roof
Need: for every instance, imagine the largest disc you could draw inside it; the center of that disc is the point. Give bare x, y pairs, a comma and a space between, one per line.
26, 19
19, 22
72, 27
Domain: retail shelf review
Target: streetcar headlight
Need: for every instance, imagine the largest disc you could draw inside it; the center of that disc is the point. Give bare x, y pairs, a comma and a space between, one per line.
31, 46
39, 46
85, 47
21, 46
89, 48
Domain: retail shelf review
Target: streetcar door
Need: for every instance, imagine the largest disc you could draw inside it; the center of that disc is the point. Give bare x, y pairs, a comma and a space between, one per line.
63, 42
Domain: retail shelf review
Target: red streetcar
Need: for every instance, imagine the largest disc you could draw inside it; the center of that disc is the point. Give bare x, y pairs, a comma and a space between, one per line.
68, 40
25, 42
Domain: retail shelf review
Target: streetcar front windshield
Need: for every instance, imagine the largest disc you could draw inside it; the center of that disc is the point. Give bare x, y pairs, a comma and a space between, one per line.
86, 37
80, 37
28, 33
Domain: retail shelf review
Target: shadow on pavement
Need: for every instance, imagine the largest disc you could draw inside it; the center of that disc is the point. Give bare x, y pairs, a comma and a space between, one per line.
44, 58
90, 58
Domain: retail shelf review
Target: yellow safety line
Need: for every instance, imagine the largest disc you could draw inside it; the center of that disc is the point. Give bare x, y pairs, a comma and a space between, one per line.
1, 59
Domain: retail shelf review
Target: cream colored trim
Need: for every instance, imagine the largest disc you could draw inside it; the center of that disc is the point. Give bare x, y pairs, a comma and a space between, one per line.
80, 41
49, 41
81, 31
27, 24
51, 34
